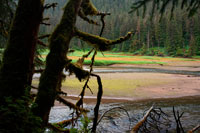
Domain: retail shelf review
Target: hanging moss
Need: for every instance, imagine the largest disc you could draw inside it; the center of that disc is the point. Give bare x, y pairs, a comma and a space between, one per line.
56, 61
51, 78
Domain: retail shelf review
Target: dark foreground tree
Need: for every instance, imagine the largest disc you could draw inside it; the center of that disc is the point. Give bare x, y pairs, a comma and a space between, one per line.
17, 66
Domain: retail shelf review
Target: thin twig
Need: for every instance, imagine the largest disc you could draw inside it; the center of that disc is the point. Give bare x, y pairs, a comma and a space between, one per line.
71, 105
111, 110
52, 5
41, 43
44, 36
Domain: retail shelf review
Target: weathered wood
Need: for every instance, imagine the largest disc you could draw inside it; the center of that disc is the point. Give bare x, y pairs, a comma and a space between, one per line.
136, 128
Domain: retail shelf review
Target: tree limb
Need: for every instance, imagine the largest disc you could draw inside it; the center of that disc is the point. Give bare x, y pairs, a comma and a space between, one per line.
44, 36
98, 42
41, 43
136, 128
52, 5
71, 105
99, 96
194, 129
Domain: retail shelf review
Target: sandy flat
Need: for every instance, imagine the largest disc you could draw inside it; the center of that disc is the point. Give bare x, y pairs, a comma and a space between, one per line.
138, 86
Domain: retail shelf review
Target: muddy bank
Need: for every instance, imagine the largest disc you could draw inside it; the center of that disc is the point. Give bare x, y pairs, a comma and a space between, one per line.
135, 86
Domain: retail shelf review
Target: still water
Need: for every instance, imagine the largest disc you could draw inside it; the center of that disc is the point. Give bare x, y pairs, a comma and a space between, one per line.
117, 121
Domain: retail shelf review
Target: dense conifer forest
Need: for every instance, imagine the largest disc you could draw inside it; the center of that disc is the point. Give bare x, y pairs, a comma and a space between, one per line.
177, 36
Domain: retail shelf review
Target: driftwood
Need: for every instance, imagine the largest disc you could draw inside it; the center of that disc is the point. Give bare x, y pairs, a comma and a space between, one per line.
194, 129
136, 128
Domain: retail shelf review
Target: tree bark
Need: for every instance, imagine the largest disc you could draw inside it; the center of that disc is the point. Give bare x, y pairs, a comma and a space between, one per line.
17, 66
50, 81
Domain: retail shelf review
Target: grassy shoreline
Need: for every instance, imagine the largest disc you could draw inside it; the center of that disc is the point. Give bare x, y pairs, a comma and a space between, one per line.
111, 58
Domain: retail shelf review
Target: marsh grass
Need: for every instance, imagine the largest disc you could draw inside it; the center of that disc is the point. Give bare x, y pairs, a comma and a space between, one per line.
110, 58
113, 86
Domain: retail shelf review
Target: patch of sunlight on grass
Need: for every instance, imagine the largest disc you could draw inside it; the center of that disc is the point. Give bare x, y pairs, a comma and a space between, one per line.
150, 57
196, 57
111, 62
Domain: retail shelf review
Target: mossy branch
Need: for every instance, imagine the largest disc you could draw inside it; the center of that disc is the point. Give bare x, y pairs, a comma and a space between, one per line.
71, 105
79, 72
84, 17
88, 8
98, 42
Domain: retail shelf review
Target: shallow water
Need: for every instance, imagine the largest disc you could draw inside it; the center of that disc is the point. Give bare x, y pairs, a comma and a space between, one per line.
136, 70
117, 120
150, 70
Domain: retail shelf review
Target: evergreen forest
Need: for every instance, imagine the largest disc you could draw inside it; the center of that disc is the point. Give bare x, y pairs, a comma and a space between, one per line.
176, 36
87, 66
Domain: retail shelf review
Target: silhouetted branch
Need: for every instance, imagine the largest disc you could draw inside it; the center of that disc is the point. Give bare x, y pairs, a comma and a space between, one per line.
99, 96
177, 117
34, 87
41, 43
102, 116
71, 105
38, 71
44, 36
103, 22
47, 24
52, 5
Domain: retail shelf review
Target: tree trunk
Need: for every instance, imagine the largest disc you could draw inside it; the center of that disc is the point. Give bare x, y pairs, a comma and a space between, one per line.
17, 66
51, 78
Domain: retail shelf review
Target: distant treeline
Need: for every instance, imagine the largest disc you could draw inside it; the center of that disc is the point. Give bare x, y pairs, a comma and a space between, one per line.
177, 37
